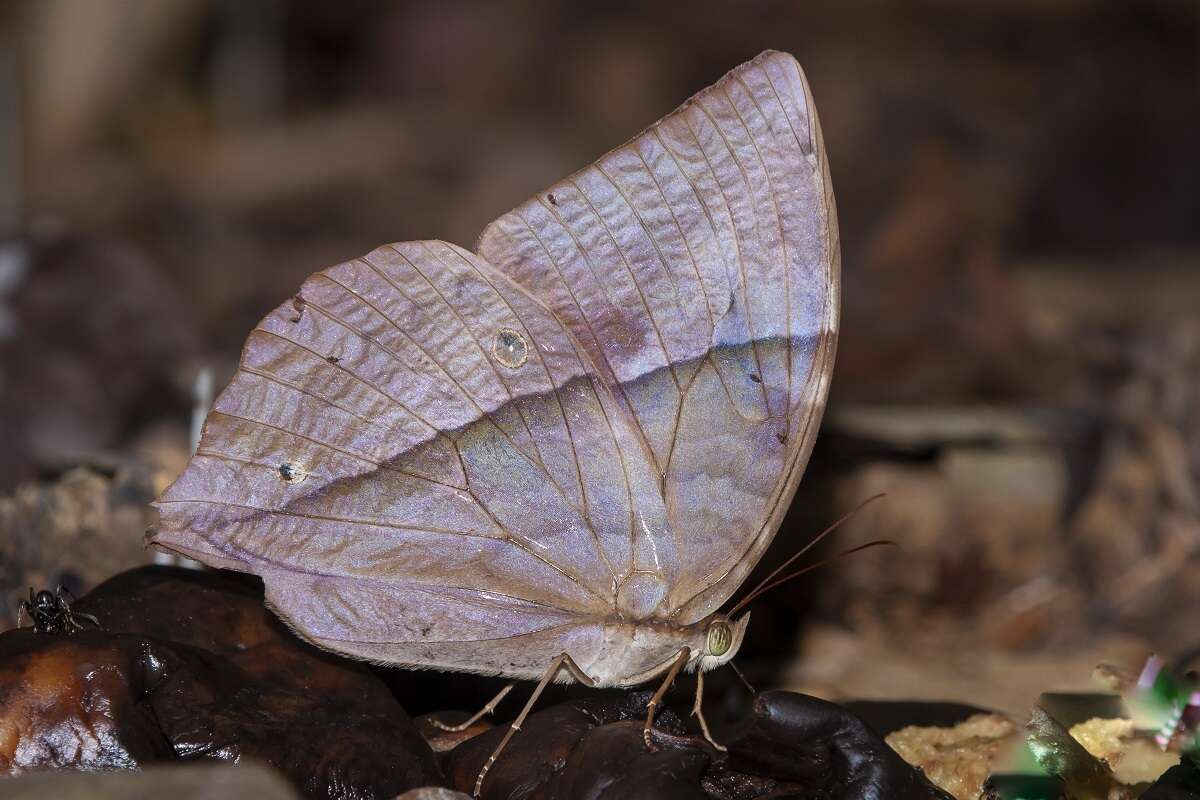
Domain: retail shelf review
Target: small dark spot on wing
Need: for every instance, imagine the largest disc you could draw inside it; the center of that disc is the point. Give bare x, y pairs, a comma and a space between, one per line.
755, 378
298, 303
552, 200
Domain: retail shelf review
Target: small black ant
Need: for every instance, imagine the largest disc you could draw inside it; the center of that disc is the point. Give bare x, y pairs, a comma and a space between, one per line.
51, 612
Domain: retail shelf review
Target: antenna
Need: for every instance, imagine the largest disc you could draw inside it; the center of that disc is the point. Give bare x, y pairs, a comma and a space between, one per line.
815, 541
760, 590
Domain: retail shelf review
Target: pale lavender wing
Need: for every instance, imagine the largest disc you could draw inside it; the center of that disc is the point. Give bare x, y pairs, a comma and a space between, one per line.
414, 450
698, 266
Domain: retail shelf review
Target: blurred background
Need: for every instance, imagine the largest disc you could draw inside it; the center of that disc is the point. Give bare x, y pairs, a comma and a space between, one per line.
1017, 188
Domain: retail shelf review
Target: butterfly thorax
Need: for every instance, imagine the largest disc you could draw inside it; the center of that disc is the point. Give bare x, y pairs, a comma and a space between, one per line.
636, 652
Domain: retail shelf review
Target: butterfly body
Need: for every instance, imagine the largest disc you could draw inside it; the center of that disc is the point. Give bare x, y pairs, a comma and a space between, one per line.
611, 652
565, 450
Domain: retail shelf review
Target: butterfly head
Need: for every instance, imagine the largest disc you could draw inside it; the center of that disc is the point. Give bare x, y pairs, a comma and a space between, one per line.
722, 639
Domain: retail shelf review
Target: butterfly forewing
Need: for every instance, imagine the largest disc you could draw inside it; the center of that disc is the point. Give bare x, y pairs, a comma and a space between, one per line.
698, 267
481, 461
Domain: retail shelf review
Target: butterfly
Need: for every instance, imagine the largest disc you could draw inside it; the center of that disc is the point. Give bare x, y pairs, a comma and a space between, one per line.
557, 456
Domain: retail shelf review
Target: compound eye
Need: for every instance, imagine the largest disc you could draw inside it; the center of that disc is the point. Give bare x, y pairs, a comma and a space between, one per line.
720, 639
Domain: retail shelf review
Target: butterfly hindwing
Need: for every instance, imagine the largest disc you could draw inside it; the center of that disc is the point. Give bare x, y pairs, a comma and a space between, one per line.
417, 442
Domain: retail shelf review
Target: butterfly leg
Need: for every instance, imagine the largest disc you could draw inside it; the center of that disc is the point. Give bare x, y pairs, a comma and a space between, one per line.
698, 712
562, 661
483, 712
682, 659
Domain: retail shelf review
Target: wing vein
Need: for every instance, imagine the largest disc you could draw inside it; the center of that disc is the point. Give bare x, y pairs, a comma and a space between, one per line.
453, 381
334, 518
395, 357
664, 265
302, 390
555, 389
252, 462
645, 440
374, 464
587, 370
395, 401
632, 276
537, 452
712, 321
787, 266
736, 235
